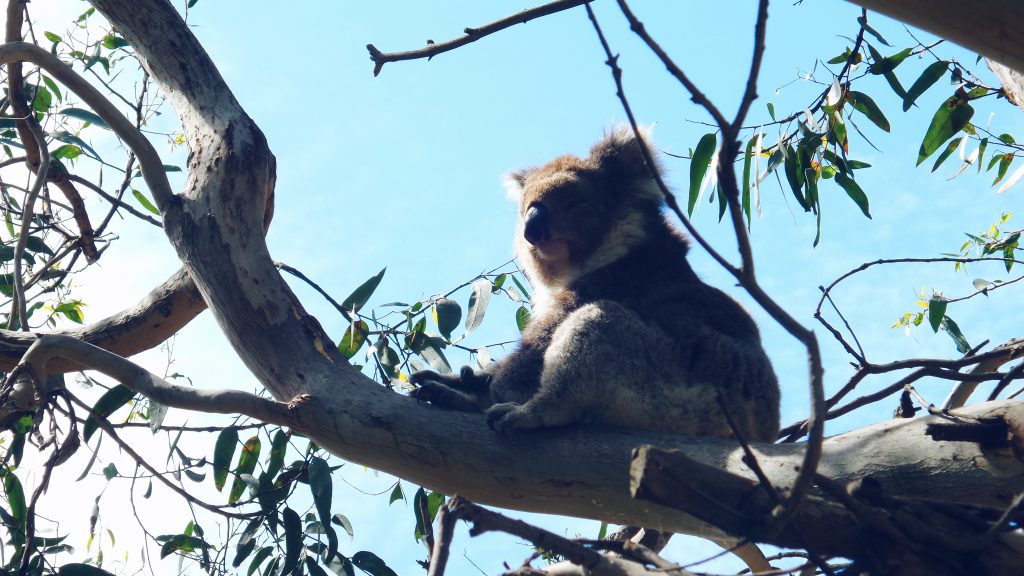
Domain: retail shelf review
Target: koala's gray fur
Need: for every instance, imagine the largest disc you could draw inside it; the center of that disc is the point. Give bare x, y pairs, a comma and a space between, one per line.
624, 333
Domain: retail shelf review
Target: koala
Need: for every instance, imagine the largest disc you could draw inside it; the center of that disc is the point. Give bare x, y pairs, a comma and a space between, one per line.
623, 333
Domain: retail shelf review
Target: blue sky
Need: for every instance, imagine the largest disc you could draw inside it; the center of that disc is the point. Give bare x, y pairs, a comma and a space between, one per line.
404, 171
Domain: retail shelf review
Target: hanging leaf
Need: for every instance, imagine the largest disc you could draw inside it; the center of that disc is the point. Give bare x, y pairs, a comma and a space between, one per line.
1012, 181
321, 488
950, 148
246, 464
866, 106
936, 311
223, 452
146, 203
292, 540
522, 318
278, 448
951, 328
353, 339
371, 563
478, 301
699, 163
951, 117
928, 78
107, 404
447, 315
853, 190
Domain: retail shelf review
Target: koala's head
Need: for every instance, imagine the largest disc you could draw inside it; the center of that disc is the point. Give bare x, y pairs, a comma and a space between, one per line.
579, 214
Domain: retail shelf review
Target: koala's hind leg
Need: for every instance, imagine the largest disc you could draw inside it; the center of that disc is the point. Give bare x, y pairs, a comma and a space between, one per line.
469, 391
602, 365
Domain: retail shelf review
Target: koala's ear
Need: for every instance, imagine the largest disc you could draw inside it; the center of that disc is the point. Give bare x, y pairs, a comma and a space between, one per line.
619, 153
514, 182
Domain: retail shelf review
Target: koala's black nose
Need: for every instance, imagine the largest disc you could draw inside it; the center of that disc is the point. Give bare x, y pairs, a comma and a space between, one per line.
535, 225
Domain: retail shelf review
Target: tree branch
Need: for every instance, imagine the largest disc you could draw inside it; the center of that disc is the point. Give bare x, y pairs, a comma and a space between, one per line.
33, 366
994, 28
152, 166
164, 311
472, 34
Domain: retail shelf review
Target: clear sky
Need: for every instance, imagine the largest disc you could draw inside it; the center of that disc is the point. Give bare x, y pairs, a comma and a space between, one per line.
404, 171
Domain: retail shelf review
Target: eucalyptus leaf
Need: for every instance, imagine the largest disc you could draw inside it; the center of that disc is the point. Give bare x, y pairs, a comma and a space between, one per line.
699, 166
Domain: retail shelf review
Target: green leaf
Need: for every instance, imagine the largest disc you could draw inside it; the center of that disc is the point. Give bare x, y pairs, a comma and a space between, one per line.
141, 198
70, 138
108, 403
841, 59
447, 315
522, 288
320, 486
950, 148
745, 198
396, 494
223, 453
353, 339
278, 448
1007, 139
853, 190
795, 176
866, 106
867, 28
242, 552
292, 540
42, 100
258, 559
113, 42
928, 78
360, 295
1004, 165
16, 500
981, 153
52, 37
181, 543
522, 318
371, 563
884, 65
771, 110
951, 328
85, 116
936, 311
950, 118
53, 88
66, 152
478, 301
36, 244
246, 464
699, 166
110, 471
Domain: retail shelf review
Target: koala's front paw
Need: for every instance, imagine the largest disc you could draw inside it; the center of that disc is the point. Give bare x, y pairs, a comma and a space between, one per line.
467, 392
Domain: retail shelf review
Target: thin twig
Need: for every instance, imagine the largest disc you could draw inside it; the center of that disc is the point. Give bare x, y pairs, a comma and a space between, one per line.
472, 34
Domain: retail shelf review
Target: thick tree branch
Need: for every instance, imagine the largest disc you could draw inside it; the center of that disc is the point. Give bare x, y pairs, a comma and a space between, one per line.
994, 28
164, 311
152, 167
472, 34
